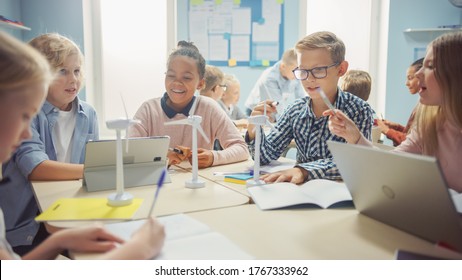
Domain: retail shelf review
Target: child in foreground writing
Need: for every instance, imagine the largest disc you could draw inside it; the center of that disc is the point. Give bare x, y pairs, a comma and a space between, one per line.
24, 79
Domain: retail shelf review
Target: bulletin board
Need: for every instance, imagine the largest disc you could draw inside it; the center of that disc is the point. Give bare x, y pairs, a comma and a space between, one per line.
237, 32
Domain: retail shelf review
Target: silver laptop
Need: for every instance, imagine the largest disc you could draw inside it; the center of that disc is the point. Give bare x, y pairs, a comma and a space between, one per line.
403, 190
143, 163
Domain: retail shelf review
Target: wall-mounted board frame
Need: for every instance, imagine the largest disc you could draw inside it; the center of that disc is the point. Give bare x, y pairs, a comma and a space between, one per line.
237, 32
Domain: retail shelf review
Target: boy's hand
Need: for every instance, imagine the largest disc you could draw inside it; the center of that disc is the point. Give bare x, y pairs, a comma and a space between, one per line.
342, 126
296, 175
259, 110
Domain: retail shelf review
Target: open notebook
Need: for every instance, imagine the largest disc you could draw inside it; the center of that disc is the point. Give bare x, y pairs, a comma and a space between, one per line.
315, 193
186, 239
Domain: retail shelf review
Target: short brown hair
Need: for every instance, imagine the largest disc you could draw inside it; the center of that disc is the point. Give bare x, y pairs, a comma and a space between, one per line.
323, 40
213, 77
357, 82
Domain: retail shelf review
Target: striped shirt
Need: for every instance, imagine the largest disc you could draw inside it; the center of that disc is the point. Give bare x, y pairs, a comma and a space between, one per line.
299, 122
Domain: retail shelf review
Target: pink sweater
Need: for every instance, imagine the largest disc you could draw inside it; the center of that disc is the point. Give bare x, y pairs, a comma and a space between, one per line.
449, 153
215, 123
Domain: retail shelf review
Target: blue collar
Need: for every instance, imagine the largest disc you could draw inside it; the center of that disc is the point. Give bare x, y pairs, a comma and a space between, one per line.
170, 112
48, 108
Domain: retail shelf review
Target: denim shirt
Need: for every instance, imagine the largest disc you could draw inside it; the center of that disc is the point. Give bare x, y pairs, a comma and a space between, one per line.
16, 197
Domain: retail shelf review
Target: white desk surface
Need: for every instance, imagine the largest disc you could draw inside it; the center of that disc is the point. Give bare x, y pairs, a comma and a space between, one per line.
173, 197
242, 166
313, 234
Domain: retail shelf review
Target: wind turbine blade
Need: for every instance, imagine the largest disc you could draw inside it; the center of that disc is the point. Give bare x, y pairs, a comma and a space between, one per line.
193, 107
184, 121
125, 107
201, 131
128, 123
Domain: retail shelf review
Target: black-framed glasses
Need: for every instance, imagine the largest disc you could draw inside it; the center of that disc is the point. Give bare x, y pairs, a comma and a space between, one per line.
317, 72
224, 87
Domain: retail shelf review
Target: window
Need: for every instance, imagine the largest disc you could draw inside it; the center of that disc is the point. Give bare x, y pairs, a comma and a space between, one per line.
359, 23
126, 49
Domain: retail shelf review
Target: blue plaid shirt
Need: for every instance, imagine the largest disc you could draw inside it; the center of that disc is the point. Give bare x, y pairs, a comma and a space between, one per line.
310, 133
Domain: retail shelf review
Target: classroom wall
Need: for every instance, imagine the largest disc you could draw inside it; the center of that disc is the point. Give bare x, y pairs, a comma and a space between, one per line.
42, 16
48, 16
248, 75
410, 14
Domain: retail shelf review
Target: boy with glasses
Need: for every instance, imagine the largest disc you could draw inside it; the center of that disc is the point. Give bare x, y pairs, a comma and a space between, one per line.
320, 64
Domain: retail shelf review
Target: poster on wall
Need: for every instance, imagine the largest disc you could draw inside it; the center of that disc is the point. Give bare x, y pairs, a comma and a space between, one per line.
237, 32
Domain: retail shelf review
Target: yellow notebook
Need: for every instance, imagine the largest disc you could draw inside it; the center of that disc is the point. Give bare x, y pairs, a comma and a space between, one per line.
68, 209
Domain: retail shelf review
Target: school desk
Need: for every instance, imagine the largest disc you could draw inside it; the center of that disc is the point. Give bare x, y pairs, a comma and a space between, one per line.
173, 197
243, 166
313, 234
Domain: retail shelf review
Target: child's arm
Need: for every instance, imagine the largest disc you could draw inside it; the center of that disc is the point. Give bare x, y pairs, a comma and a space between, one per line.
87, 239
4, 255
296, 175
54, 170
231, 140
396, 136
342, 126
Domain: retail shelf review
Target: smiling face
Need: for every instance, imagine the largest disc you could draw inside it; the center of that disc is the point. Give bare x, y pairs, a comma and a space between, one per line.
17, 109
430, 91
309, 59
181, 81
412, 82
66, 86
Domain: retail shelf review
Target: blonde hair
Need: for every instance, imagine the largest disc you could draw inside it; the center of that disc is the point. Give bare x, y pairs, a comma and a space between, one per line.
323, 40
357, 82
213, 77
56, 49
289, 57
20, 65
447, 65
230, 79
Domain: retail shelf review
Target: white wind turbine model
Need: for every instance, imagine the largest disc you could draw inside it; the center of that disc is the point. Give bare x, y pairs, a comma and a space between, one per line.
259, 121
120, 198
195, 122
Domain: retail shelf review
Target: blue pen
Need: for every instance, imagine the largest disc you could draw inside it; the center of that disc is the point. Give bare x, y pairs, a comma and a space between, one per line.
160, 182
